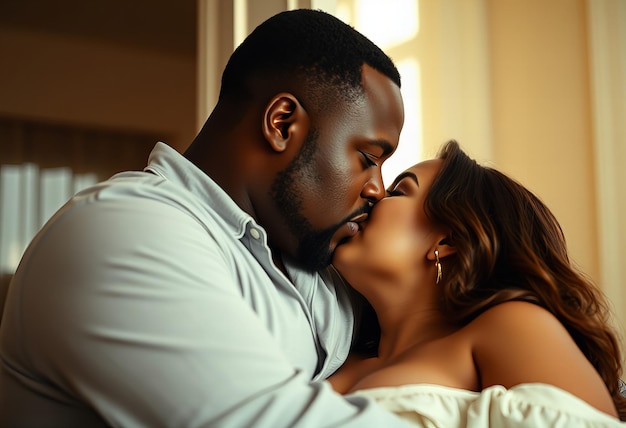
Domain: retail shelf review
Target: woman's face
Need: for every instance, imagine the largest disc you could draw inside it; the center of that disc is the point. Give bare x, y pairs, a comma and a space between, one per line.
397, 242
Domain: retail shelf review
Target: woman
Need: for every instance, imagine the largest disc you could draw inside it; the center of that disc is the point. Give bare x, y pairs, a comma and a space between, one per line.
473, 291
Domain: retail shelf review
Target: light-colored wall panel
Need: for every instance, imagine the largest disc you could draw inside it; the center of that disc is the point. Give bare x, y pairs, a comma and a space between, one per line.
541, 111
607, 55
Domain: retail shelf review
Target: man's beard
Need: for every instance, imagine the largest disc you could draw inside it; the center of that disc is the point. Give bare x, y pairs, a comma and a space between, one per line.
313, 252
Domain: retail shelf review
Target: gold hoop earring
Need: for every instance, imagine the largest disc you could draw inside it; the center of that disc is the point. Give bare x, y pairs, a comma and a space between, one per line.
438, 266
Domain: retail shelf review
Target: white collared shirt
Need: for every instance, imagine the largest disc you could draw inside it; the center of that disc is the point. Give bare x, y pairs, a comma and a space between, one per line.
151, 299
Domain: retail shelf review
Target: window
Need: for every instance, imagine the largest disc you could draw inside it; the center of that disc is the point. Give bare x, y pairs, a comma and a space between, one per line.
394, 26
43, 165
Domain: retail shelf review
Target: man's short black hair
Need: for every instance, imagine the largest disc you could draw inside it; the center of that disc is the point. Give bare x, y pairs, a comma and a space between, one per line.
320, 52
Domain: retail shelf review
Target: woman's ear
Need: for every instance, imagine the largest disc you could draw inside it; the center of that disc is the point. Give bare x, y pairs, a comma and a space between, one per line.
284, 121
445, 248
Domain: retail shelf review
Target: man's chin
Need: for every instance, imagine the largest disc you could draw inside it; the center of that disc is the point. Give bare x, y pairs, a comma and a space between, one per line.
314, 262
316, 252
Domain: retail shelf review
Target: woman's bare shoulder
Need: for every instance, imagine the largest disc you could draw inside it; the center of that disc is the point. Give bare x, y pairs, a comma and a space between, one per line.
520, 342
513, 310
517, 330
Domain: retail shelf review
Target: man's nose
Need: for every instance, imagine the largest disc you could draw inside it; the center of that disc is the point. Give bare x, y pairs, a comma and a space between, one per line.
374, 189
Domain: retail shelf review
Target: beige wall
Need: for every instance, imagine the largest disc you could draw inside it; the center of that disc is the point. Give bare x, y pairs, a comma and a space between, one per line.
558, 85
541, 113
554, 100
57, 78
607, 63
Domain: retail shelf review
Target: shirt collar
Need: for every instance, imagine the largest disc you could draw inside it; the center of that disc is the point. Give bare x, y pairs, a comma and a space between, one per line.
173, 166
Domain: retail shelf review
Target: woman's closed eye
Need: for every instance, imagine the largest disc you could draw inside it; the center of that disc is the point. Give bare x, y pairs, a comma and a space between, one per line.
402, 185
395, 192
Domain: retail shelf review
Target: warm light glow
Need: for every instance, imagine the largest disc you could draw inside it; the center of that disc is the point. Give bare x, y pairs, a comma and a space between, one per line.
410, 148
240, 22
387, 23
391, 24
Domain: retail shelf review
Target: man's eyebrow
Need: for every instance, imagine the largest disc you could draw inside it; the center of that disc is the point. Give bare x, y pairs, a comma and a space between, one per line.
403, 176
383, 144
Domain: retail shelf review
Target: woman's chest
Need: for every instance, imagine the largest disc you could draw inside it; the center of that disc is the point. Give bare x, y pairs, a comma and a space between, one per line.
446, 362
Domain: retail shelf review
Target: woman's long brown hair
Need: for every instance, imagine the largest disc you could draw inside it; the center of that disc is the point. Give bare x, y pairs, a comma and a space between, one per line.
511, 247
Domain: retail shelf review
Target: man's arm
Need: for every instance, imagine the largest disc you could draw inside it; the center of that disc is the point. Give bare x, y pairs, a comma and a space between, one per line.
147, 325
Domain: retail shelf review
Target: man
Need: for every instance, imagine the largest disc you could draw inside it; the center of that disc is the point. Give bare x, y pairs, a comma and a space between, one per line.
189, 294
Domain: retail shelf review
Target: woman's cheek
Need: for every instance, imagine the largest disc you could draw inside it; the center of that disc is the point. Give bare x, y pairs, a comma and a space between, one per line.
388, 244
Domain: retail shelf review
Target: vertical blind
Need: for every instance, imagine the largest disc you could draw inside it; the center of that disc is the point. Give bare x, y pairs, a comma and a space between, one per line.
42, 165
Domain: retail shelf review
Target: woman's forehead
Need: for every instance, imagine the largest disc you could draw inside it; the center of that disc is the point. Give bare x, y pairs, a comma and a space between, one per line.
428, 169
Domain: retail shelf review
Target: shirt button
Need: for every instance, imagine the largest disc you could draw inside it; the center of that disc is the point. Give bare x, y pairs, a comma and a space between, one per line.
255, 233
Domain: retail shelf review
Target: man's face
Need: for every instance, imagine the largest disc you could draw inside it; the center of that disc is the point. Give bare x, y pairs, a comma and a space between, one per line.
335, 178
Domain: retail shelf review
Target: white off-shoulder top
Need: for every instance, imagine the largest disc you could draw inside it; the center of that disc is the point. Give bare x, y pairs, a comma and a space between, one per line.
527, 405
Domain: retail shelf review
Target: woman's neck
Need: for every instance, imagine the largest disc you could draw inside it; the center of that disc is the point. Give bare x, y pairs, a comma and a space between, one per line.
403, 329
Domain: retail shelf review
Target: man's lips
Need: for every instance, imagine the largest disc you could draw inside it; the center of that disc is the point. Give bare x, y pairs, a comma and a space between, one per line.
349, 229
356, 223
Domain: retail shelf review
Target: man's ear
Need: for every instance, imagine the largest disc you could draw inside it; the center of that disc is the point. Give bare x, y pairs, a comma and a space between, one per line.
284, 121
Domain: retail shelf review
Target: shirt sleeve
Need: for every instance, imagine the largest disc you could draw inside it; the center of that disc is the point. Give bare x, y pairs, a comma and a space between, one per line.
155, 333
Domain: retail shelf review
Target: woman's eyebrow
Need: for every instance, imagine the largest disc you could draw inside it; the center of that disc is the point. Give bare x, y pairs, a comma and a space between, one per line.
403, 176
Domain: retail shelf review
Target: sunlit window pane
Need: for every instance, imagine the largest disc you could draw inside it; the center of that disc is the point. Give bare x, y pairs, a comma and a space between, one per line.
56, 186
10, 177
409, 150
387, 23
82, 181
394, 26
